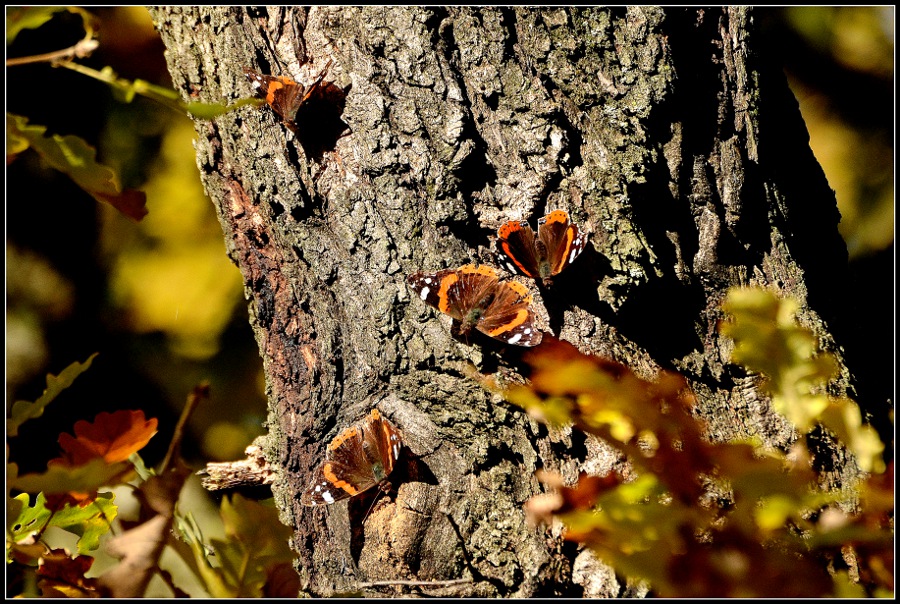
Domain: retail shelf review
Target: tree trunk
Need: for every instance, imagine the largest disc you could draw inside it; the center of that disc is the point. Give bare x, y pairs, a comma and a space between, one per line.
663, 132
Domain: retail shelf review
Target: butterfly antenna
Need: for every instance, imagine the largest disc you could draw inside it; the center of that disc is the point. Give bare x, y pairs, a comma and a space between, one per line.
383, 488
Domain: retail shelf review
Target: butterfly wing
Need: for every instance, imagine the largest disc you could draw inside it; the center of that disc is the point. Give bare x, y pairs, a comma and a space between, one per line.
561, 238
455, 291
475, 296
283, 94
509, 317
356, 460
316, 84
381, 444
321, 490
278, 91
259, 83
434, 290
515, 240
345, 472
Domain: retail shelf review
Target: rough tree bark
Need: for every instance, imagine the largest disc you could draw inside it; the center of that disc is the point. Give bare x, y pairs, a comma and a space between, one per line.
665, 134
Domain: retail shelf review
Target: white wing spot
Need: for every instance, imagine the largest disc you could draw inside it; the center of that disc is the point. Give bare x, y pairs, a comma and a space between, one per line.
327, 497
427, 280
515, 338
424, 293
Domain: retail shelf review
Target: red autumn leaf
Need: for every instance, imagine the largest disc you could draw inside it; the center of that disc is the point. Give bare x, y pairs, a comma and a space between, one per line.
112, 436
584, 495
130, 202
62, 576
282, 581
562, 500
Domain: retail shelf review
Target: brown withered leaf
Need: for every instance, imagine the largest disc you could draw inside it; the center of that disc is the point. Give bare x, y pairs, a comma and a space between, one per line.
140, 547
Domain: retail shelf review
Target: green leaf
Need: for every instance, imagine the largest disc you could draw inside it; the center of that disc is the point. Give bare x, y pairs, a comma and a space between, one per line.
240, 568
257, 542
633, 528
71, 155
89, 522
208, 111
213, 578
258, 528
143, 472
774, 511
844, 587
843, 417
81, 479
769, 340
15, 144
27, 17
30, 520
22, 411
766, 337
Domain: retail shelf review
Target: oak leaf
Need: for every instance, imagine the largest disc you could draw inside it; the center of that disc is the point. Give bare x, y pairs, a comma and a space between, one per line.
112, 437
62, 576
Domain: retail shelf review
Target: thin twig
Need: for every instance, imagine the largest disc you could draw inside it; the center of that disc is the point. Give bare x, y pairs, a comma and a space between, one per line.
197, 394
81, 49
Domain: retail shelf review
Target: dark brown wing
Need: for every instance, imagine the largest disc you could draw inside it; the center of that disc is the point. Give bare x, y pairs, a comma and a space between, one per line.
382, 443
475, 296
515, 240
283, 94
455, 291
509, 317
345, 472
561, 238
322, 491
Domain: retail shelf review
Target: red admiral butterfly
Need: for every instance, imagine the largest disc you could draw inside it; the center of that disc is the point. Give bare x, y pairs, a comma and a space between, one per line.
556, 246
283, 94
357, 459
475, 296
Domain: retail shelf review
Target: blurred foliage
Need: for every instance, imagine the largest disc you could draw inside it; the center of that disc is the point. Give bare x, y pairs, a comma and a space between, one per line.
74, 157
159, 298
169, 273
156, 279
840, 64
252, 562
768, 340
254, 559
726, 519
858, 37
30, 17
22, 411
69, 154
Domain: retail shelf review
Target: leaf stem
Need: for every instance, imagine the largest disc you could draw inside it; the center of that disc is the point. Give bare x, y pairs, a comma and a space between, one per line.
81, 49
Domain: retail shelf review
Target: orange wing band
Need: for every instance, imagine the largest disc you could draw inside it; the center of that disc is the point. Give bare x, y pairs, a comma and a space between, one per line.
521, 317
443, 298
326, 470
